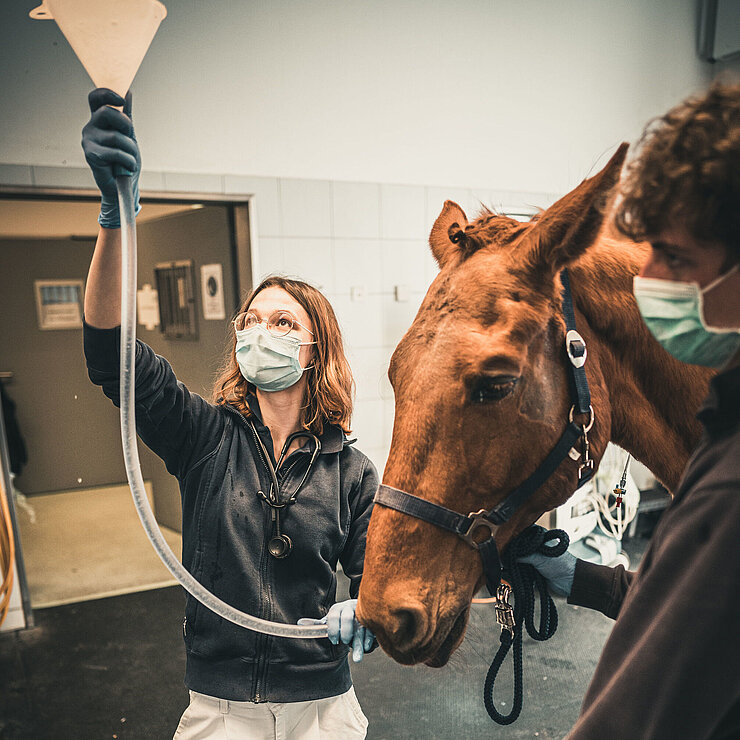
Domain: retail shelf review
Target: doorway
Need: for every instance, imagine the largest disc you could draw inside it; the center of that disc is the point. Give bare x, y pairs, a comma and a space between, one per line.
80, 533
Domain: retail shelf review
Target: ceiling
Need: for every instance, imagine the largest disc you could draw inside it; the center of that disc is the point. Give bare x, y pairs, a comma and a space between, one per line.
53, 219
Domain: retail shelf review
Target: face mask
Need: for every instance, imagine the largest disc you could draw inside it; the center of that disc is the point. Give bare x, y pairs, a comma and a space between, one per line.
673, 311
271, 363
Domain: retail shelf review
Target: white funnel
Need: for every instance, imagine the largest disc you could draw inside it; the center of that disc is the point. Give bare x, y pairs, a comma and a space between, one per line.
110, 37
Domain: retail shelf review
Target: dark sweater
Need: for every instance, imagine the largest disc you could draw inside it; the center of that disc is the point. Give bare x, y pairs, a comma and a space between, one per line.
671, 666
212, 452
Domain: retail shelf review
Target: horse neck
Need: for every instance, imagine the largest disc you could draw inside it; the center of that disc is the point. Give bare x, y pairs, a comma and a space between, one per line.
653, 397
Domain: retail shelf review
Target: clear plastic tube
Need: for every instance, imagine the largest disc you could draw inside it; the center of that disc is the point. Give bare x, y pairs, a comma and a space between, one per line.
131, 451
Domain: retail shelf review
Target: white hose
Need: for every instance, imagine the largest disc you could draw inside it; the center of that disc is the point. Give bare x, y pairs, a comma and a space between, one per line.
131, 451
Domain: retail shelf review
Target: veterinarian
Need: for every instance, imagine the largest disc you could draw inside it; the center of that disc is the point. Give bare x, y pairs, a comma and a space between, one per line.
671, 666
273, 493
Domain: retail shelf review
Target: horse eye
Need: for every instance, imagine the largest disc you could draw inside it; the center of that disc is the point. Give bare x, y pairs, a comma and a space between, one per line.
487, 389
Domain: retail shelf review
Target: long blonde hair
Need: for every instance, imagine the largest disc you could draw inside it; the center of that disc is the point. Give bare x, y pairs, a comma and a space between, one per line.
329, 386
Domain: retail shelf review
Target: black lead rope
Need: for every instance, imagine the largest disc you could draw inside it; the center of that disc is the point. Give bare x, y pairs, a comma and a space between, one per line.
524, 579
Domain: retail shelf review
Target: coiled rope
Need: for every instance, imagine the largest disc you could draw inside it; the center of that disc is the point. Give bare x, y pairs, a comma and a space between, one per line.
524, 580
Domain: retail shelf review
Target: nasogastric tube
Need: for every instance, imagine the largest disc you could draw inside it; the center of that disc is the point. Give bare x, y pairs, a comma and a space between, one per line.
131, 451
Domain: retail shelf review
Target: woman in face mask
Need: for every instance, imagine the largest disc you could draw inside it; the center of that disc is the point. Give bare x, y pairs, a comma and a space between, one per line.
671, 666
274, 495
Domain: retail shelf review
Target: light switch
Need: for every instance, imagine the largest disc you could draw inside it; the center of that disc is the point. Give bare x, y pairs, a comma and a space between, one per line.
357, 293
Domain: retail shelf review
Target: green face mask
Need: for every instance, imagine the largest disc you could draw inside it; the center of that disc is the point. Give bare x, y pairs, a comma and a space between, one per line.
673, 311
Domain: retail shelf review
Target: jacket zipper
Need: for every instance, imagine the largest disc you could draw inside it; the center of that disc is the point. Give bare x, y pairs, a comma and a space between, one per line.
262, 639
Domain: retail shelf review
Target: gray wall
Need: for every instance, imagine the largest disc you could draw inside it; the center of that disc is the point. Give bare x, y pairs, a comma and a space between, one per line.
71, 429
202, 235
57, 406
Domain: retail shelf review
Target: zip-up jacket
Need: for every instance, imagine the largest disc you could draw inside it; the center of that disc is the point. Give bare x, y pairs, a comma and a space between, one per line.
671, 666
212, 451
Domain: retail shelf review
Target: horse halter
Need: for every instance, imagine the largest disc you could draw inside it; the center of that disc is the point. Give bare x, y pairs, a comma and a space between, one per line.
465, 527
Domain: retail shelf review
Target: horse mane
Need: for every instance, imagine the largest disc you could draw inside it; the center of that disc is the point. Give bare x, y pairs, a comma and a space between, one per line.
489, 230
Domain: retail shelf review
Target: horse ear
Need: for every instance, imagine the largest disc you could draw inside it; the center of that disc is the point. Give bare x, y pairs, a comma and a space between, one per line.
444, 239
569, 226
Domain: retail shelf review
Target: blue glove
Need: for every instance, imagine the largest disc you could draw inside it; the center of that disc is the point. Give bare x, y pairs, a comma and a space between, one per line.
110, 148
557, 571
343, 625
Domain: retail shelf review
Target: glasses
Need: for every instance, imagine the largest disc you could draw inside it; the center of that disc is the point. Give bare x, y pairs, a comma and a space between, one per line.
279, 323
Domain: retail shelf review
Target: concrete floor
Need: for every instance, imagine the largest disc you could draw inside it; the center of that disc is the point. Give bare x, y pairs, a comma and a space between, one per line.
88, 544
113, 668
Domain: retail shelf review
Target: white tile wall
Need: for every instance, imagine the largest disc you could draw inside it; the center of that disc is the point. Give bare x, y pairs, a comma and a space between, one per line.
309, 259
201, 183
404, 263
357, 263
268, 257
265, 200
361, 321
306, 207
402, 212
63, 177
356, 210
370, 369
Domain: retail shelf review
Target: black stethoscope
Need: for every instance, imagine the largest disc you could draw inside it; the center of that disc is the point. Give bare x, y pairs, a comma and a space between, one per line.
280, 545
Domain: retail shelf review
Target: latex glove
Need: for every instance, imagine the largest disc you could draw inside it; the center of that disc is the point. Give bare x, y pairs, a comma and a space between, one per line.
108, 141
557, 571
343, 625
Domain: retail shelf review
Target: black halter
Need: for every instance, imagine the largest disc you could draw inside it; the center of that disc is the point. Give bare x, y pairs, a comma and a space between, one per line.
466, 526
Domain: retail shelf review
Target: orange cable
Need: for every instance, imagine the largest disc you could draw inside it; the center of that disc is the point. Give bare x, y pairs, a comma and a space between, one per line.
7, 553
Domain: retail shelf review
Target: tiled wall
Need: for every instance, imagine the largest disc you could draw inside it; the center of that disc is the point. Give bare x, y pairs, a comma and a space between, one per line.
363, 244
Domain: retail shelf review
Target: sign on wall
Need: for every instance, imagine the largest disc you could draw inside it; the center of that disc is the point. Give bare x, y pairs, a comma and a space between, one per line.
212, 287
59, 303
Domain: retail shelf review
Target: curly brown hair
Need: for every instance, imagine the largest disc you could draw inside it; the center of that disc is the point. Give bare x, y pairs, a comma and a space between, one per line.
329, 387
686, 171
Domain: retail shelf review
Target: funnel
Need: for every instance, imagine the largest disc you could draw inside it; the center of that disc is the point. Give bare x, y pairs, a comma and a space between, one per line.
109, 37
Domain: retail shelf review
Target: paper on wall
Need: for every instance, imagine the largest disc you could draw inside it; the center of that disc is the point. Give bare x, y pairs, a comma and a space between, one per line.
212, 290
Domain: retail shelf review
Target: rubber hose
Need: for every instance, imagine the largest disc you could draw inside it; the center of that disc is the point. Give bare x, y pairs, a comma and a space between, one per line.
131, 451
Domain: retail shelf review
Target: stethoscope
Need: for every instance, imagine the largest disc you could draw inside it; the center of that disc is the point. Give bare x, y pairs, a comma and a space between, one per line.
280, 545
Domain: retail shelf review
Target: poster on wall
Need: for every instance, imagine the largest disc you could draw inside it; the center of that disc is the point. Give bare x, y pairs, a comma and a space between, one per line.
59, 304
212, 288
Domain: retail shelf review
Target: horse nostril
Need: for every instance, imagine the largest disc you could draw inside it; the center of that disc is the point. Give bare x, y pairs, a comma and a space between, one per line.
408, 627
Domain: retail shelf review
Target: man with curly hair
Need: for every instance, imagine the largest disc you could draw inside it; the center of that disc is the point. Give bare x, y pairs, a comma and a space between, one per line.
671, 666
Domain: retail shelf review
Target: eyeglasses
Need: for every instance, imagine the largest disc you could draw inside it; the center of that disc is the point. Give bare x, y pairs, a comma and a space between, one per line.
279, 323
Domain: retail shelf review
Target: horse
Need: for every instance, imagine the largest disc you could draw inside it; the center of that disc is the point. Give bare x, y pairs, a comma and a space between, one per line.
482, 395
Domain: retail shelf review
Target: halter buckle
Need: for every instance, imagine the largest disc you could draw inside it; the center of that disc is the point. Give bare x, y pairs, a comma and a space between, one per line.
575, 346
480, 519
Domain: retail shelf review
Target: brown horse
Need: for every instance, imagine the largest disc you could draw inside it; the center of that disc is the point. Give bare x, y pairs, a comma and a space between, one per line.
481, 397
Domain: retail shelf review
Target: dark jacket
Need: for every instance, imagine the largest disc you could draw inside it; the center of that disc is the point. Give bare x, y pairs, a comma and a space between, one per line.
671, 666
212, 452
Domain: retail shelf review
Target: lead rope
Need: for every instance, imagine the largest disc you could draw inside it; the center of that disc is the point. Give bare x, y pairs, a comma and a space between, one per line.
524, 578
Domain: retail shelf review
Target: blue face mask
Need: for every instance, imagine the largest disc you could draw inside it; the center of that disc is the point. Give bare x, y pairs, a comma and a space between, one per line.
674, 313
268, 362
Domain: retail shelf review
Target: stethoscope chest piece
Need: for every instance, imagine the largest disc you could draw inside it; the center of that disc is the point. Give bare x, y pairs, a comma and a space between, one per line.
280, 546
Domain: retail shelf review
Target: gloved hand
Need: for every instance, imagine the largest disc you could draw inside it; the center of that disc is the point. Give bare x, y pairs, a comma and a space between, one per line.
108, 140
557, 571
343, 625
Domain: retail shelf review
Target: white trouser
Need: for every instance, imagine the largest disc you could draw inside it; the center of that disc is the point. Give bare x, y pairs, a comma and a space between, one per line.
334, 718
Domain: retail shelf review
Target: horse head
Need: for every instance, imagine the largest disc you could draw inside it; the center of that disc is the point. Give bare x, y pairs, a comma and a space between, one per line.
481, 396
